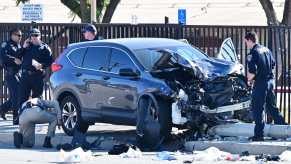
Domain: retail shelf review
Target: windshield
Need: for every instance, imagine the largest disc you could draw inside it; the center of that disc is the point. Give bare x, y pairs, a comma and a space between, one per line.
165, 57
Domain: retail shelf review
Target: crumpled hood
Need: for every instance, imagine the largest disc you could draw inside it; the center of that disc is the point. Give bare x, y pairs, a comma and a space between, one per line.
212, 68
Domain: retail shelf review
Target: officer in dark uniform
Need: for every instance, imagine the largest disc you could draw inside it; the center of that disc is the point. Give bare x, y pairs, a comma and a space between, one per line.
37, 57
260, 73
10, 58
90, 33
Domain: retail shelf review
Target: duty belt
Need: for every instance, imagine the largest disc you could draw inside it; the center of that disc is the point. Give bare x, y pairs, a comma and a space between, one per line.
29, 72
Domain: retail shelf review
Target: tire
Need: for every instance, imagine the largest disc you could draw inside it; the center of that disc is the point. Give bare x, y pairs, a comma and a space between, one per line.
71, 116
154, 122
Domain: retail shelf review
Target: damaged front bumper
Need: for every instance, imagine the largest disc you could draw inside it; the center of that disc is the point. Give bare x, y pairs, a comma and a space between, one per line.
228, 108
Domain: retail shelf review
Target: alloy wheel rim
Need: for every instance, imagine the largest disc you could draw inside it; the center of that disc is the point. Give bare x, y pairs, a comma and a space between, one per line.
69, 115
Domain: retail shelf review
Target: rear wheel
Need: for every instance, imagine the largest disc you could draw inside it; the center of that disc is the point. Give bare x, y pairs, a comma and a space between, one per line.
153, 122
71, 116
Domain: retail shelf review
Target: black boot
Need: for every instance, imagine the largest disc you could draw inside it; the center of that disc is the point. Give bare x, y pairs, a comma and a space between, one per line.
18, 139
15, 121
47, 143
2, 114
15, 118
256, 138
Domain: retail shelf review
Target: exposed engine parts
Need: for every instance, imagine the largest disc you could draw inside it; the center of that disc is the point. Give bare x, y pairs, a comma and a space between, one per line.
202, 105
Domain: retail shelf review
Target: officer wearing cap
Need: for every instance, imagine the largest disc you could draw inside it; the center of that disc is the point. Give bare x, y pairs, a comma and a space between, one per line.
260, 72
10, 59
37, 57
90, 33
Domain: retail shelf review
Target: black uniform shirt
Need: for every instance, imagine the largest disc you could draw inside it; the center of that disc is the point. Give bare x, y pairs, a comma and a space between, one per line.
41, 53
9, 51
261, 63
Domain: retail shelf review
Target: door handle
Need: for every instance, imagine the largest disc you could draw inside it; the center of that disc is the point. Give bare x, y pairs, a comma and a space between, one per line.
106, 77
78, 74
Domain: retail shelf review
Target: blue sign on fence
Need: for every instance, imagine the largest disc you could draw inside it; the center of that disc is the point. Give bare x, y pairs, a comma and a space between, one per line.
182, 16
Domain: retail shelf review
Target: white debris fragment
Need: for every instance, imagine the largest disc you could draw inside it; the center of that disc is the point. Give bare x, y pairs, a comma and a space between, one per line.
131, 153
165, 155
210, 154
286, 156
75, 156
250, 158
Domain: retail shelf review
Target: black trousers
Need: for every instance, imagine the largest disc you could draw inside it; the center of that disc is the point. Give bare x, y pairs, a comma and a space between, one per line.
29, 83
11, 104
263, 97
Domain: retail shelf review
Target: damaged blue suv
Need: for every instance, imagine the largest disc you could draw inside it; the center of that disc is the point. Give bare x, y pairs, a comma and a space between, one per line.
152, 83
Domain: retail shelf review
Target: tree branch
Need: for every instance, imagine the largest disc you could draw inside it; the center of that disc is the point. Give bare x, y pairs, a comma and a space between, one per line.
287, 13
73, 5
110, 11
270, 12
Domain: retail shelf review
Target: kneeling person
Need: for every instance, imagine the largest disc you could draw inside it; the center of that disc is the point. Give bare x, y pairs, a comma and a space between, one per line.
37, 111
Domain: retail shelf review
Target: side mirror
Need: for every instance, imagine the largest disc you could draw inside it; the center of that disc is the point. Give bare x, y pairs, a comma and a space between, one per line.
128, 72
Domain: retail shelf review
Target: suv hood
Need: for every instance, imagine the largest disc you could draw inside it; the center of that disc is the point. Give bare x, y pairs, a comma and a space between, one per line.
211, 68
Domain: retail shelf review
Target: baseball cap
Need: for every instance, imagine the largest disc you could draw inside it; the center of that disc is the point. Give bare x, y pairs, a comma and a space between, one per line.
34, 31
89, 28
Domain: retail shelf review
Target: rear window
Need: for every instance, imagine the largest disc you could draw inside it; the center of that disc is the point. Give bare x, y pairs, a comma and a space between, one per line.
77, 56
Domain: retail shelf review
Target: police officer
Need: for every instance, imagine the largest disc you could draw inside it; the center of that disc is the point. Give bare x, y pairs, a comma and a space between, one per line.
90, 33
37, 111
260, 72
37, 57
11, 55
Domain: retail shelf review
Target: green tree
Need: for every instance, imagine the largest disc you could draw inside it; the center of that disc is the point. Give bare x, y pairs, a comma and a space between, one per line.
82, 9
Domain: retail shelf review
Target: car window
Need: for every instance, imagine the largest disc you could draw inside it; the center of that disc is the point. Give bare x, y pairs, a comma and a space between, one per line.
96, 58
119, 60
77, 55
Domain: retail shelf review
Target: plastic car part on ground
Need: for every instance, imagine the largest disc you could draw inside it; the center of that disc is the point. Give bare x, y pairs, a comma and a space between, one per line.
210, 154
286, 156
165, 155
121, 148
132, 153
75, 156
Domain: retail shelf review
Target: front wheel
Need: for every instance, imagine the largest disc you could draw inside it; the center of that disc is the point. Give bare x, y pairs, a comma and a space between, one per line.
71, 116
154, 123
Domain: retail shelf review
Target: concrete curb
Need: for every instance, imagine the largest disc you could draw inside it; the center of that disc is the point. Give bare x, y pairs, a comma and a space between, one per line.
235, 147
105, 134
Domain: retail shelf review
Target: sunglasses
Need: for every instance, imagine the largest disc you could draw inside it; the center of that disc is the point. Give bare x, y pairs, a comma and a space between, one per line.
19, 35
34, 35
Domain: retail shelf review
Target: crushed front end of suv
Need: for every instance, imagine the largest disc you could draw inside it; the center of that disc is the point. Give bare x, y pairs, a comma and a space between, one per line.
152, 83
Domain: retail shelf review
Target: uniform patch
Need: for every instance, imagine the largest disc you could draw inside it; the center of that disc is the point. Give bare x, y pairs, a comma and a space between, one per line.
249, 58
13, 48
3, 45
41, 47
262, 50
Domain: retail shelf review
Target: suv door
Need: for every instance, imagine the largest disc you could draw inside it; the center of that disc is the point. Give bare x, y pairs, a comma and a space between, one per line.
121, 94
227, 51
94, 67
